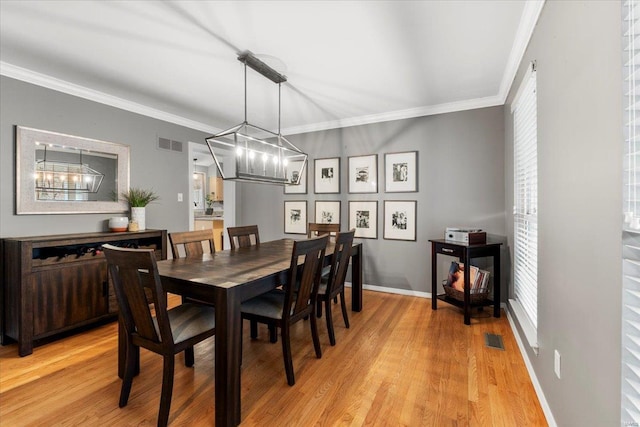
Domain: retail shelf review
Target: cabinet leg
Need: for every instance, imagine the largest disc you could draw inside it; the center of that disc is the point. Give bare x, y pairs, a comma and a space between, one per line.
25, 348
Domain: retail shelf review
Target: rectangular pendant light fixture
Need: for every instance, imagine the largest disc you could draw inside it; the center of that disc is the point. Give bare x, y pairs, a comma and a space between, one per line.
260, 155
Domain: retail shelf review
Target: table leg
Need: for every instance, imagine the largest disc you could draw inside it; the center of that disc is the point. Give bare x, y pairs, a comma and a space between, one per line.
496, 284
467, 289
227, 358
434, 277
356, 279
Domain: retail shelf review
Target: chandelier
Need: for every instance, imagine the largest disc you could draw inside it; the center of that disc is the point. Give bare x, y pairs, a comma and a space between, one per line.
260, 155
67, 177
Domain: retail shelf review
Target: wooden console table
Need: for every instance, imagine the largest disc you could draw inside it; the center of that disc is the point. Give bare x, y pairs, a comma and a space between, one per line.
54, 284
465, 253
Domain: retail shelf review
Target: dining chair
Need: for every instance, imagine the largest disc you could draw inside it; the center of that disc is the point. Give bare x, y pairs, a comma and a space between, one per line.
244, 236
295, 301
191, 242
317, 229
332, 285
171, 331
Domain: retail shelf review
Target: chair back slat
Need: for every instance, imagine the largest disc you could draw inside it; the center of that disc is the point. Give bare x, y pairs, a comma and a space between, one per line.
340, 260
191, 242
244, 236
318, 229
303, 280
133, 271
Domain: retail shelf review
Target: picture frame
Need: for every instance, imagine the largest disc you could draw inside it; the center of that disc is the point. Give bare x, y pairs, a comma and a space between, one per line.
363, 174
300, 188
400, 220
328, 211
327, 175
363, 216
295, 217
401, 172
64, 174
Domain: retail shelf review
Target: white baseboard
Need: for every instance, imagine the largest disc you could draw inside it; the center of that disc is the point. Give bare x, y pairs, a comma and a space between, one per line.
534, 379
532, 374
393, 290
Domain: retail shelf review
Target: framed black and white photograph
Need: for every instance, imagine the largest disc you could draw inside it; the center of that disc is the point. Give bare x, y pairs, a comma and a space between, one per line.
363, 216
292, 174
328, 212
401, 172
400, 219
295, 216
327, 175
363, 174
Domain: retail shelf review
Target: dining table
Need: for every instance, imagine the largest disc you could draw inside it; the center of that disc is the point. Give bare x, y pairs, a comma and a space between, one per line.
227, 278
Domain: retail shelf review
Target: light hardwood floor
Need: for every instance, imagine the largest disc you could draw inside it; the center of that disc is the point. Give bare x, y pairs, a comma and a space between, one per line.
400, 364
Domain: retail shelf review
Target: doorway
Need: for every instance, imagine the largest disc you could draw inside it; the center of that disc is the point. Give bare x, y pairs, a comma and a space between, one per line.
203, 168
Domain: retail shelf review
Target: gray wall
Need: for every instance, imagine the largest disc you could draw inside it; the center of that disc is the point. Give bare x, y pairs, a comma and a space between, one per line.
577, 49
465, 162
166, 172
461, 183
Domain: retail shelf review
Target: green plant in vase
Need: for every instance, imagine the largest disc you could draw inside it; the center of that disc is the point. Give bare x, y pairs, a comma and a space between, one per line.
138, 199
209, 200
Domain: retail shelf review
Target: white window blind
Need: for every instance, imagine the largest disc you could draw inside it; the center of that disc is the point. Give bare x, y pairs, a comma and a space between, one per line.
525, 209
630, 411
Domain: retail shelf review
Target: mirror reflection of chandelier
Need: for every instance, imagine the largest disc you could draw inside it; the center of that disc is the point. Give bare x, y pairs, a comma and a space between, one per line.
260, 155
60, 176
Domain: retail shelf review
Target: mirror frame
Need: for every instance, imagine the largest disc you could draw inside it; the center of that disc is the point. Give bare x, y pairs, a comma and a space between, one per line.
26, 203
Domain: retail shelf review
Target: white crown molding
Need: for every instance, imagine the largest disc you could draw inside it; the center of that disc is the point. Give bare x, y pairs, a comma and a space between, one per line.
63, 86
528, 21
410, 113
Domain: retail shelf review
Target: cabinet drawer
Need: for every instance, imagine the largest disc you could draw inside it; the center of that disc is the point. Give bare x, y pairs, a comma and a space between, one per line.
448, 250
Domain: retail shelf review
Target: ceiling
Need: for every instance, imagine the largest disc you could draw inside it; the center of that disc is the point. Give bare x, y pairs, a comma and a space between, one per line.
347, 62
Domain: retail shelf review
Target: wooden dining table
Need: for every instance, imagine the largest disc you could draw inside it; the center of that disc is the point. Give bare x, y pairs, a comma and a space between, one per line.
227, 278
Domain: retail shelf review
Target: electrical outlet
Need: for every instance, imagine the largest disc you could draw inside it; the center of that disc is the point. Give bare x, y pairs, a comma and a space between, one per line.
556, 363
179, 197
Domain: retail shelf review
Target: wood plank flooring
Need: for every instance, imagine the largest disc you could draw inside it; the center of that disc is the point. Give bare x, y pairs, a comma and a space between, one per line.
399, 364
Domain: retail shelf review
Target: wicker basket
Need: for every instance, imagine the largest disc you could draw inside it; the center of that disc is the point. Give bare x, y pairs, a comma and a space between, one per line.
459, 295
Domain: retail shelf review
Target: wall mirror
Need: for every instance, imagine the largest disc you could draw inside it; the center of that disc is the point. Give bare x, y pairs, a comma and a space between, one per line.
64, 174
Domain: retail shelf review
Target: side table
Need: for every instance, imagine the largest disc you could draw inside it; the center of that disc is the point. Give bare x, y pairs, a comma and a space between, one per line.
465, 253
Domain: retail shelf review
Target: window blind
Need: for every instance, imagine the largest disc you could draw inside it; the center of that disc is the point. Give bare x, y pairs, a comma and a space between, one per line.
525, 210
630, 411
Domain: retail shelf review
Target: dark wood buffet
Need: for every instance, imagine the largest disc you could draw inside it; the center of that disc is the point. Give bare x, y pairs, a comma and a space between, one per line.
58, 283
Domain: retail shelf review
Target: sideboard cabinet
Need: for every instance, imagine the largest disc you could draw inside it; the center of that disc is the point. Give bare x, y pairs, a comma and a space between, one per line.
54, 284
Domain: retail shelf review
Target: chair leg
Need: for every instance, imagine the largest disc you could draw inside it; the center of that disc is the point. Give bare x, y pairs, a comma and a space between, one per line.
286, 353
314, 334
254, 328
329, 316
273, 333
189, 357
129, 373
167, 390
319, 307
343, 303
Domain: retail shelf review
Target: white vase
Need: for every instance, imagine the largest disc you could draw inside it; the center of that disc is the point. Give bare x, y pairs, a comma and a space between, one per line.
137, 215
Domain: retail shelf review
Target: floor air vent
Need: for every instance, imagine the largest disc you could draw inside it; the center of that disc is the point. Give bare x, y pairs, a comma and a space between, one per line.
493, 341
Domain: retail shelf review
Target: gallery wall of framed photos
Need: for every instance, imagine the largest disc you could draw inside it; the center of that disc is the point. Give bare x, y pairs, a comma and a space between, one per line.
399, 217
